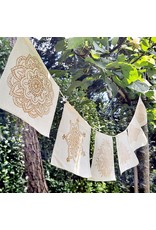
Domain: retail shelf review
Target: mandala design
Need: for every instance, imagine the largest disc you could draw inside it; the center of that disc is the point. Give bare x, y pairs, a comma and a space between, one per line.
30, 87
74, 141
103, 160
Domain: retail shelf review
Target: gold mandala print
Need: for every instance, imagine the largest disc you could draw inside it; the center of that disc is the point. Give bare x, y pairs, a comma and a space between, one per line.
103, 160
74, 141
30, 87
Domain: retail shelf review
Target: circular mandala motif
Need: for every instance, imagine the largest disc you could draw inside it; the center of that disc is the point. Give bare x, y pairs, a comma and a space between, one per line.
30, 87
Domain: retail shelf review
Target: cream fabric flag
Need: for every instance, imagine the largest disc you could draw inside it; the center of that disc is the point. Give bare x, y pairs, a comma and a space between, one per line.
71, 149
126, 156
136, 135
102, 168
26, 88
140, 113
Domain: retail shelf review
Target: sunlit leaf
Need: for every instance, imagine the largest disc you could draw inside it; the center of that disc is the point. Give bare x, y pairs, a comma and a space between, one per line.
129, 72
119, 82
153, 39
145, 61
144, 44
95, 54
112, 65
139, 86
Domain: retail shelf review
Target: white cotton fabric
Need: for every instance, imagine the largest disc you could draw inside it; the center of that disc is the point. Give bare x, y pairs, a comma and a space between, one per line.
72, 145
136, 136
102, 168
126, 155
140, 113
26, 88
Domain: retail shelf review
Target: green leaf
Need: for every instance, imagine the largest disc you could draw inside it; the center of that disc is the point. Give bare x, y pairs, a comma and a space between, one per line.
58, 73
150, 94
121, 58
83, 84
127, 47
153, 113
145, 61
95, 54
97, 47
97, 64
130, 73
151, 72
75, 42
104, 41
144, 44
153, 39
77, 74
113, 65
60, 45
119, 82
74, 85
65, 55
115, 41
139, 86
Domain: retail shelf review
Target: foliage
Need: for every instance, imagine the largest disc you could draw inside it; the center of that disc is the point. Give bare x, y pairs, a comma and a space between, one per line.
109, 74
11, 156
4, 53
12, 177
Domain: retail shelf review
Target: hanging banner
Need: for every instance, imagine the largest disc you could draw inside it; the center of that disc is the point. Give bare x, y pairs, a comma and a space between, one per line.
140, 113
27, 90
102, 168
72, 145
126, 156
136, 136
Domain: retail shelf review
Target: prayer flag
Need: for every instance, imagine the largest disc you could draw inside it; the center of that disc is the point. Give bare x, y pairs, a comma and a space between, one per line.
136, 136
27, 90
102, 168
126, 156
140, 113
71, 149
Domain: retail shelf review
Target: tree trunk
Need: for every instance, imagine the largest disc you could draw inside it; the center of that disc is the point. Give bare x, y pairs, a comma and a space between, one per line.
33, 162
143, 167
32, 155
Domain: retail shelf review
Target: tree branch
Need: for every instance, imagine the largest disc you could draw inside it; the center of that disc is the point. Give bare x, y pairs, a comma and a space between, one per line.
143, 53
115, 48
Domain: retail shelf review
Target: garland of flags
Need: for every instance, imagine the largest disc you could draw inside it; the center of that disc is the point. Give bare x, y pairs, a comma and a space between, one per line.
28, 91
